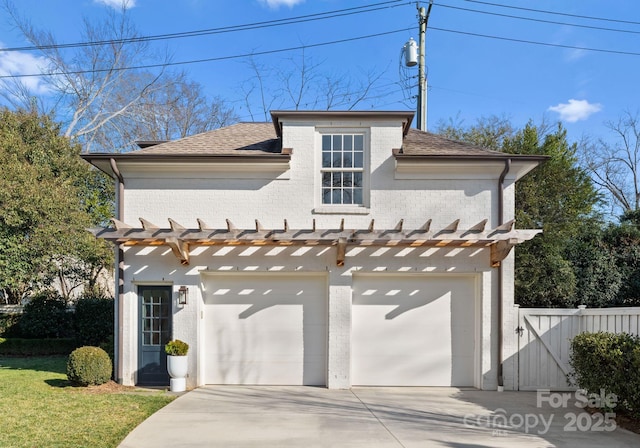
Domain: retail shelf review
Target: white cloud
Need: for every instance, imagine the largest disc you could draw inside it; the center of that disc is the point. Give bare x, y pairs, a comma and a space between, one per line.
118, 4
575, 54
575, 110
17, 63
277, 3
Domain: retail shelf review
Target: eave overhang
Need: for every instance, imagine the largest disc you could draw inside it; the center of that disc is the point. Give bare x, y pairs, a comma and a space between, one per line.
446, 165
102, 161
366, 115
499, 240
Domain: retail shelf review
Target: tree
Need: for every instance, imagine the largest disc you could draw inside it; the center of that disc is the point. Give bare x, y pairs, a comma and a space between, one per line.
176, 110
558, 197
623, 241
615, 166
488, 132
46, 207
599, 278
301, 84
110, 105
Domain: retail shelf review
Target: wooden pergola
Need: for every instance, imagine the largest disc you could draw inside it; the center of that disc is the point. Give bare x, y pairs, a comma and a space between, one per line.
180, 239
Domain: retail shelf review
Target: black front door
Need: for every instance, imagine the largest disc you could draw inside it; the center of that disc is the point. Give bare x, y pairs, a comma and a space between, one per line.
154, 333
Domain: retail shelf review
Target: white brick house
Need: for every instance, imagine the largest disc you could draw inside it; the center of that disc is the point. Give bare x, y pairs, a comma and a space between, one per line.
325, 248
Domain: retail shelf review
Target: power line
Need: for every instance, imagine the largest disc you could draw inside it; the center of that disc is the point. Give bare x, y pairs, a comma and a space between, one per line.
538, 20
603, 19
546, 44
227, 29
197, 61
320, 44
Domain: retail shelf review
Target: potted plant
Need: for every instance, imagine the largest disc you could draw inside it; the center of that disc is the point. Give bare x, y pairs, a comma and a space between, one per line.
177, 365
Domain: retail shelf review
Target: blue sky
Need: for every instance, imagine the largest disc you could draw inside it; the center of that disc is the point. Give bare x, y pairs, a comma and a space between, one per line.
469, 76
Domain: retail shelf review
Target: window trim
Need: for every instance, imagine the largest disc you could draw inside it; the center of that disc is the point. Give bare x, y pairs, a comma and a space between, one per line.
321, 207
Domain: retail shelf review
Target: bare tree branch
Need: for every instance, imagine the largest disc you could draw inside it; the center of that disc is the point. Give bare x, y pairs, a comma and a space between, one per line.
615, 166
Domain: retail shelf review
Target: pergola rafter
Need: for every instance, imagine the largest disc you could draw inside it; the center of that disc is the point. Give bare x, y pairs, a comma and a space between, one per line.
180, 239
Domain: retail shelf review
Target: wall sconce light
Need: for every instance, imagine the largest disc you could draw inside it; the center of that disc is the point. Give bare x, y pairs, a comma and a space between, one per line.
183, 292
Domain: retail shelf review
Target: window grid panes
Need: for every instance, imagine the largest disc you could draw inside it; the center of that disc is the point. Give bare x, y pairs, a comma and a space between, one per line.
155, 319
342, 168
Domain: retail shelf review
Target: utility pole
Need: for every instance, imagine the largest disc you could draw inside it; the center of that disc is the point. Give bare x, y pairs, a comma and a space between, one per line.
423, 18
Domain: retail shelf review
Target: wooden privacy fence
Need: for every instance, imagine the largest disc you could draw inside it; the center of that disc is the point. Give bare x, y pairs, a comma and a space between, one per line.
545, 337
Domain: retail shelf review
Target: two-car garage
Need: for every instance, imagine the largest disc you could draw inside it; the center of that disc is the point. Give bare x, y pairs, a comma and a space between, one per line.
273, 329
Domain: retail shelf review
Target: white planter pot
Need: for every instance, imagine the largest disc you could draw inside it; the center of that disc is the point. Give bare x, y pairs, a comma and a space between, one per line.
177, 367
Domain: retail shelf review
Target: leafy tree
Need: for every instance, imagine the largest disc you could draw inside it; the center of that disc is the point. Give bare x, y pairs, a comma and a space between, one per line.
623, 242
46, 207
558, 197
598, 277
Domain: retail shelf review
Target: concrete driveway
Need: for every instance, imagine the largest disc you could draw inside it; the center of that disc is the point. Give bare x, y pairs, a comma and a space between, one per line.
246, 416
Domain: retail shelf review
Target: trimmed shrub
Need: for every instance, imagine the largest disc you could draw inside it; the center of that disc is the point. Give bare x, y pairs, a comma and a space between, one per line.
36, 347
46, 316
9, 325
89, 366
609, 362
94, 321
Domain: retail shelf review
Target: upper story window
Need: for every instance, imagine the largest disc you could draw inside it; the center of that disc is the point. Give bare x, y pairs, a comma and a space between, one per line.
342, 169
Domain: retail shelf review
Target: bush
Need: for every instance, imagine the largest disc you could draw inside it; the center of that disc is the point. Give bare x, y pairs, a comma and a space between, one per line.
36, 347
609, 362
46, 316
108, 346
9, 325
89, 366
176, 348
94, 320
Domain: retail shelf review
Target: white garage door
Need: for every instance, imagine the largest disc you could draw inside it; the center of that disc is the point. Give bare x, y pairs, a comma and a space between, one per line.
413, 330
265, 329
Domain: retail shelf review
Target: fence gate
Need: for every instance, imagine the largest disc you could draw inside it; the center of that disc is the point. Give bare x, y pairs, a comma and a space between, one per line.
545, 340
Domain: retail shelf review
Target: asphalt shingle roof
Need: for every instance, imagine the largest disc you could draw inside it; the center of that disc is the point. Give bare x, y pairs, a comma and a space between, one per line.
237, 139
422, 143
260, 138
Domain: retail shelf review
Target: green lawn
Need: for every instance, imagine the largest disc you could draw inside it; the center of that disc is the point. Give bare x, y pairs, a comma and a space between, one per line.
39, 408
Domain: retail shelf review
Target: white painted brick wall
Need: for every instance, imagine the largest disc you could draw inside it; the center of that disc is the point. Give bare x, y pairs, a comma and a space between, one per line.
294, 197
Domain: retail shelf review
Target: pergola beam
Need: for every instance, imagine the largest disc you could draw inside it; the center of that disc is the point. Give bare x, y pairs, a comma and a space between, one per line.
500, 239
